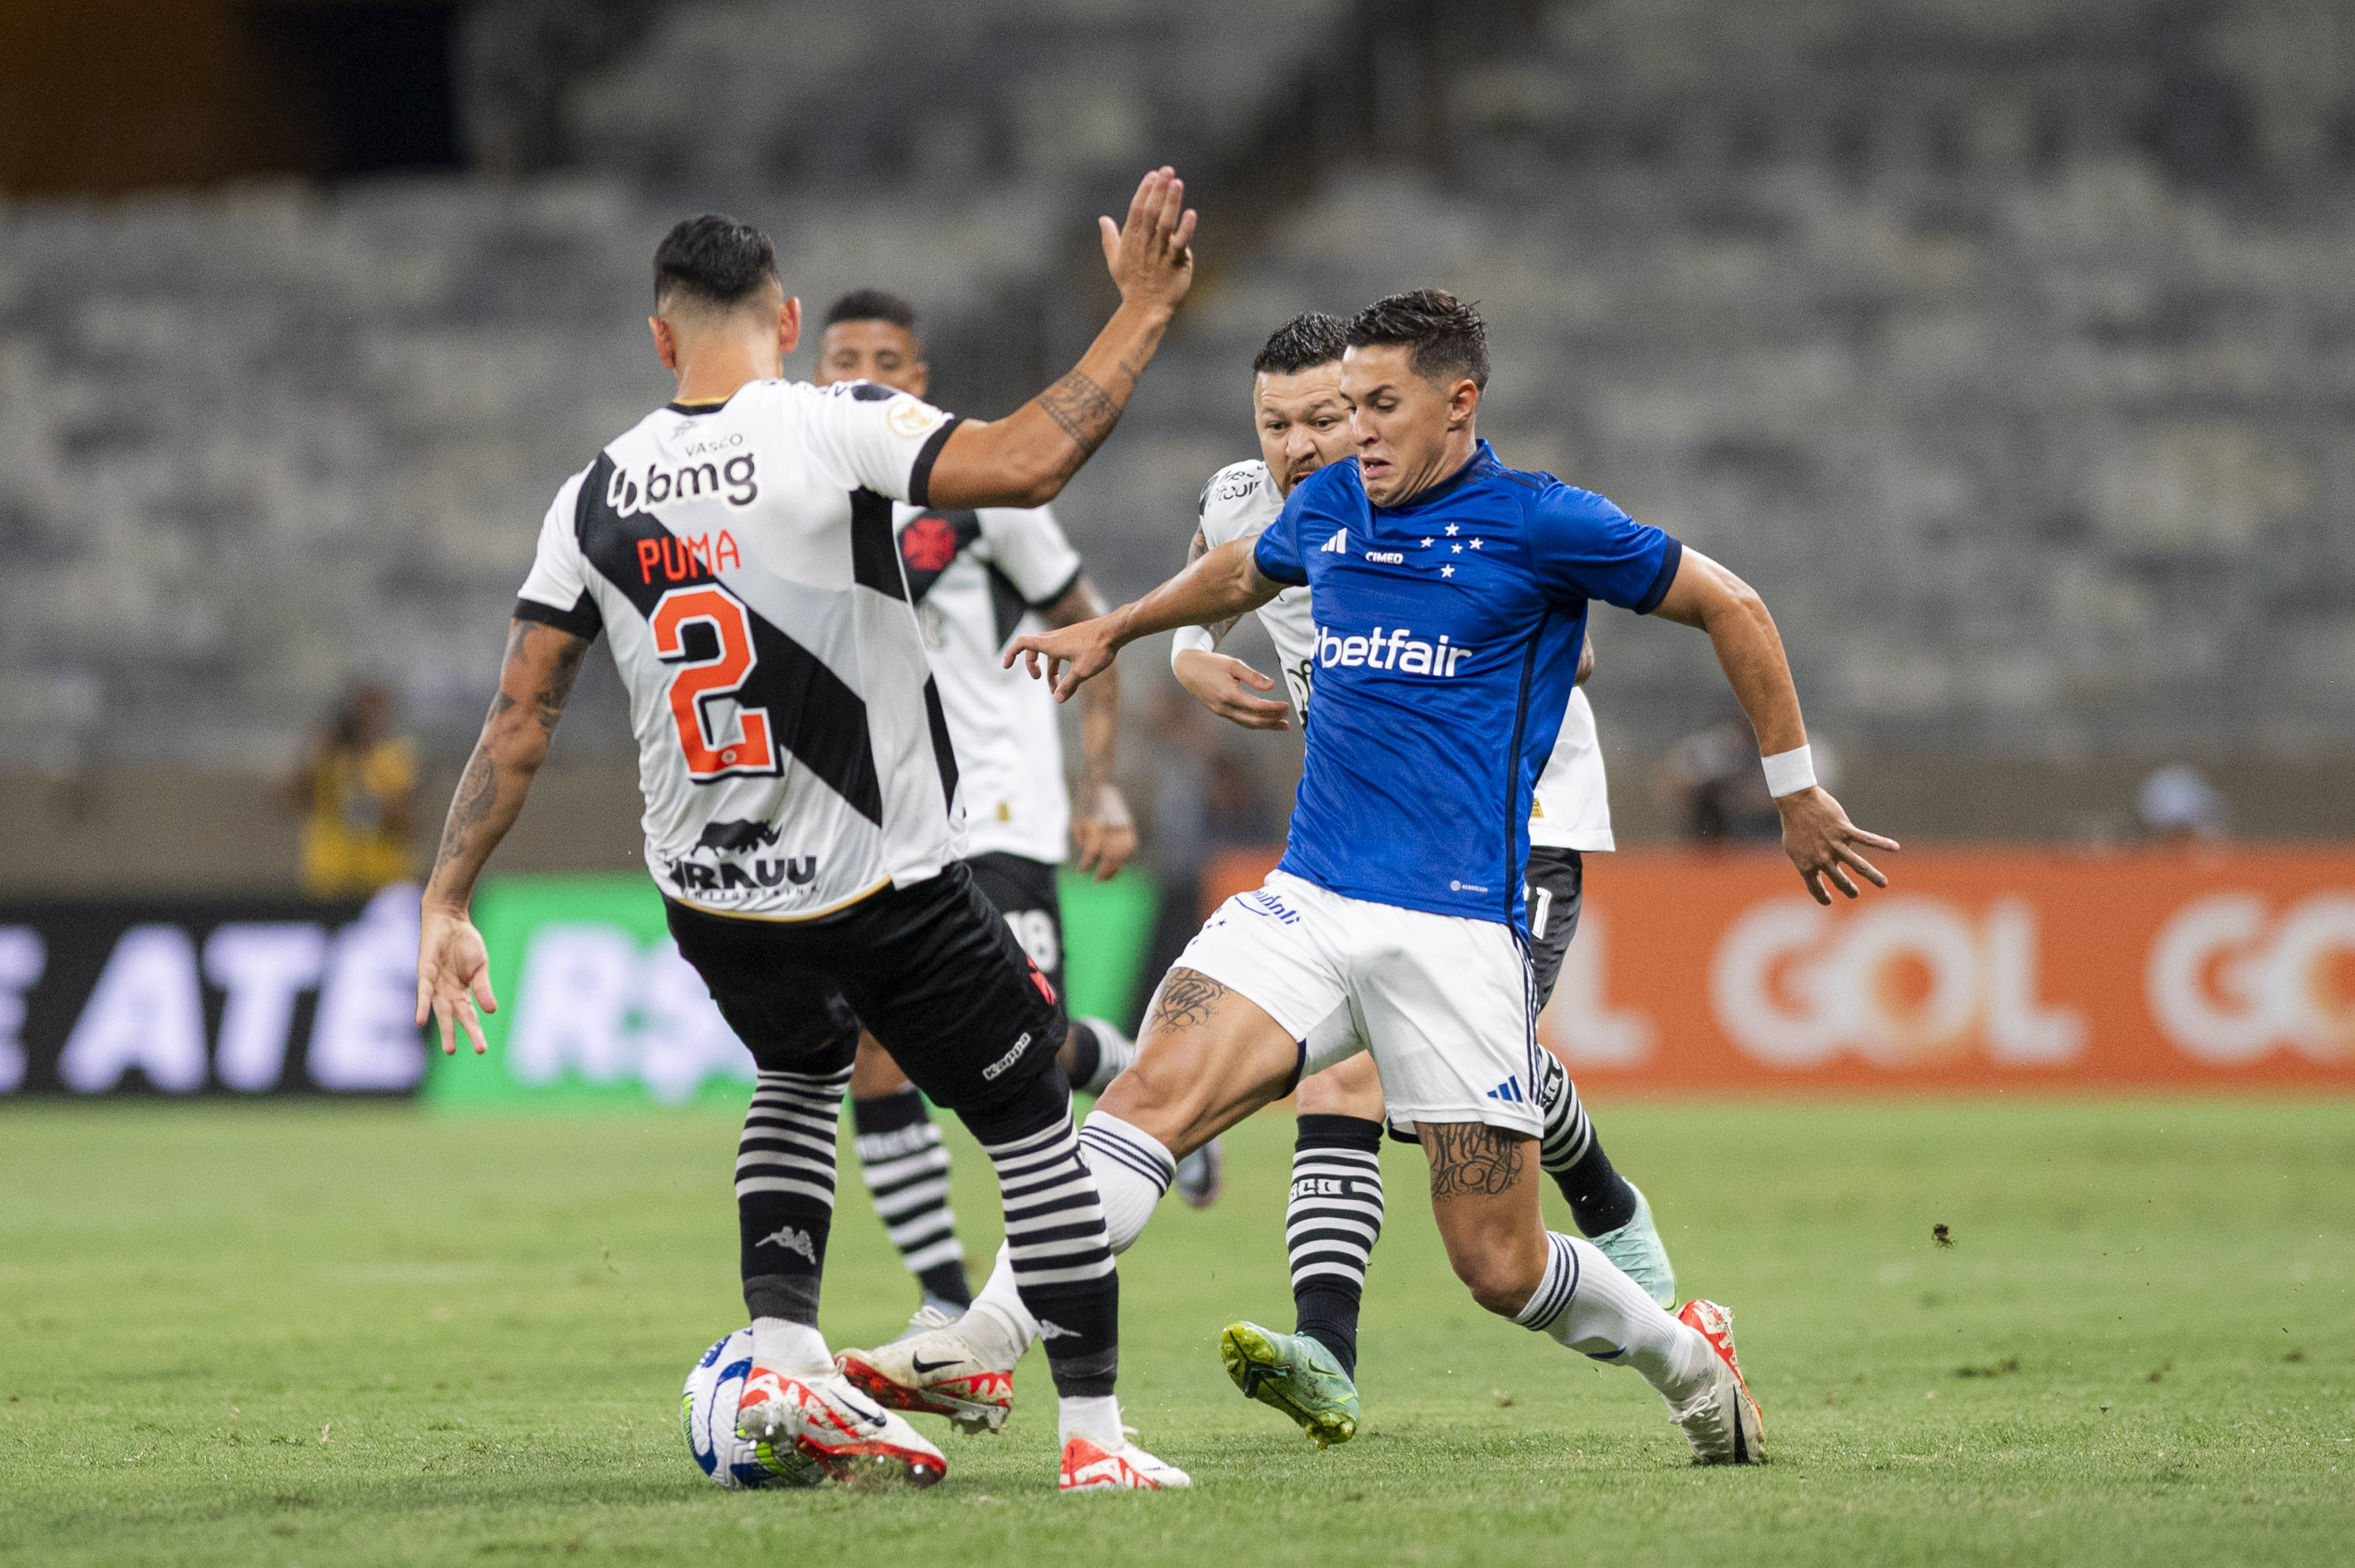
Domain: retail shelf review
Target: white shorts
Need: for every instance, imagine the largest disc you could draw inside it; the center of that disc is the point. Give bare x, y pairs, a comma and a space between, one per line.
1442, 1001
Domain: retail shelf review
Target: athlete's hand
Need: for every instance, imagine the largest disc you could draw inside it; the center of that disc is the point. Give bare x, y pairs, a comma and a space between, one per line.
1104, 832
1151, 257
1073, 653
454, 974
1821, 842
1230, 688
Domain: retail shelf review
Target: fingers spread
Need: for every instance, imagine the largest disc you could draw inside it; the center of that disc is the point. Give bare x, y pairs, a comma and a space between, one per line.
1840, 879
1816, 887
1872, 872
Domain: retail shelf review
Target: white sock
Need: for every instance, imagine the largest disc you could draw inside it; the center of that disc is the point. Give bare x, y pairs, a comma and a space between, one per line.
997, 1326
1114, 1052
1132, 1169
1586, 1303
783, 1345
1097, 1419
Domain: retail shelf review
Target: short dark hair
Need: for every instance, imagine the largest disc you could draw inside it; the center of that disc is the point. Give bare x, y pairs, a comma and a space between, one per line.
1307, 340
872, 305
1447, 338
715, 259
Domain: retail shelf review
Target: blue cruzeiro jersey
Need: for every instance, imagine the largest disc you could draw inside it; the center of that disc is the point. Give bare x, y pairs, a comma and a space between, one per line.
1447, 640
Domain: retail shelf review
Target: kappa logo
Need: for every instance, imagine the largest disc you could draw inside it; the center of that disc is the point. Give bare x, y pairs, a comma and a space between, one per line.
1048, 1330
1019, 1046
792, 1240
1339, 545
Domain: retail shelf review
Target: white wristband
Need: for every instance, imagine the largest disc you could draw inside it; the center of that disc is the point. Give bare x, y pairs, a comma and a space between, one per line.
1788, 772
1190, 637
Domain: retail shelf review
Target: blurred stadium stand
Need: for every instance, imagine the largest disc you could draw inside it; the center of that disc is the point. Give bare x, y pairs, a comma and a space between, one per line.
2008, 347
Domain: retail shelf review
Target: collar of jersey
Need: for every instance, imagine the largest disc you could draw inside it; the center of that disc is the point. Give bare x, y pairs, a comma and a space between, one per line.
677, 407
1482, 459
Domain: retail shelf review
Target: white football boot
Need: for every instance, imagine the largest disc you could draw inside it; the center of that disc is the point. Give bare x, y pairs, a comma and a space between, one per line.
936, 1373
1723, 1423
934, 1314
833, 1426
1088, 1467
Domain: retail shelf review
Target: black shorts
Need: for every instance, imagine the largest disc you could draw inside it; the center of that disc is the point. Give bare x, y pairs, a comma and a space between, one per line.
1024, 891
930, 968
1555, 883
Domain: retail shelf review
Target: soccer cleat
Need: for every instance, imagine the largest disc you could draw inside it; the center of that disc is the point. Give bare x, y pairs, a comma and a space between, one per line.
1296, 1375
834, 1426
933, 1373
1088, 1467
1201, 1176
934, 1314
1723, 1423
1641, 1256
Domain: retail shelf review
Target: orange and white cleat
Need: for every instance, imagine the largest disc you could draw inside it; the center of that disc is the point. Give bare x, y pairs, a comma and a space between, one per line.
1088, 1467
1723, 1423
935, 1373
835, 1427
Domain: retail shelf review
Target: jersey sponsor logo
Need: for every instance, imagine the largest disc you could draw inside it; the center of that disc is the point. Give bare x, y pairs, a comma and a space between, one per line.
629, 492
1458, 886
1323, 1187
1386, 557
792, 872
998, 1067
1401, 652
680, 556
1234, 486
713, 747
1259, 901
1339, 545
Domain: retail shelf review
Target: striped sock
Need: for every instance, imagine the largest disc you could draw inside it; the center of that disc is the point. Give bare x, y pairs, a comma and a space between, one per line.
784, 1191
1060, 1255
1585, 1303
1331, 1223
1600, 1199
906, 1167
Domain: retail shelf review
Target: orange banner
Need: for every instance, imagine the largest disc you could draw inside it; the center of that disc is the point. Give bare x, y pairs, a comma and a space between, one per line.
1996, 968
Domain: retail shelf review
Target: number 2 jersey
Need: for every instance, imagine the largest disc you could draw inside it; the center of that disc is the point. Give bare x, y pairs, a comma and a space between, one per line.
1571, 806
740, 557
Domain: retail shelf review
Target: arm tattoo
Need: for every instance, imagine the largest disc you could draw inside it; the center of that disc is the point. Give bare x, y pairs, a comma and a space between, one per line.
1185, 999
1472, 1160
476, 792
1081, 410
556, 689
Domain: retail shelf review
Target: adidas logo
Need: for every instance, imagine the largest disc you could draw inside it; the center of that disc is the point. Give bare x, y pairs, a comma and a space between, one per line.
1509, 1091
1339, 545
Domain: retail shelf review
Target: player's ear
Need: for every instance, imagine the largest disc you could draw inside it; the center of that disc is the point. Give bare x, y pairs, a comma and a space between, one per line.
665, 343
789, 325
1462, 402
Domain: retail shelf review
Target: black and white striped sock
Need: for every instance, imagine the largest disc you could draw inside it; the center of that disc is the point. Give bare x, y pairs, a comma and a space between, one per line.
906, 1167
1060, 1254
1330, 1225
784, 1191
1600, 1199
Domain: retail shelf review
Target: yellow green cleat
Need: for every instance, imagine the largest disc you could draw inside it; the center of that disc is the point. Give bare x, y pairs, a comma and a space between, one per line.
1296, 1375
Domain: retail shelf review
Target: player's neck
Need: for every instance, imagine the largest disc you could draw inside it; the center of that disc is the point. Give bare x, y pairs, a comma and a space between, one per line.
1454, 451
719, 371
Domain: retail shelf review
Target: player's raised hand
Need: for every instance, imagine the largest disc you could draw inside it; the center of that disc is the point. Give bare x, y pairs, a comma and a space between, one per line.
454, 974
1231, 689
1151, 256
1073, 653
1822, 842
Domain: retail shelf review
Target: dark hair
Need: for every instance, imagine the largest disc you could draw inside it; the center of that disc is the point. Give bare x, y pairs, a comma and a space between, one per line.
872, 305
716, 259
1448, 339
1309, 339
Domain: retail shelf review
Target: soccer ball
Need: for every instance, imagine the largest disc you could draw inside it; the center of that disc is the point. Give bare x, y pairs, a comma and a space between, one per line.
707, 1420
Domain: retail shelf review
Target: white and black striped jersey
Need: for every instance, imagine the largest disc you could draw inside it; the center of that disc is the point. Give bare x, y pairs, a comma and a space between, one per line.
791, 743
977, 579
1572, 806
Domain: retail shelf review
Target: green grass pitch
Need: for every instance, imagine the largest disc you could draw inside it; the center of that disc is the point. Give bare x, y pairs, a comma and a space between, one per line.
334, 1335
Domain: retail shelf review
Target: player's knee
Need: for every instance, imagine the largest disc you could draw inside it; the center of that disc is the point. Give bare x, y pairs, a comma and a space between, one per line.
1346, 1088
1500, 1279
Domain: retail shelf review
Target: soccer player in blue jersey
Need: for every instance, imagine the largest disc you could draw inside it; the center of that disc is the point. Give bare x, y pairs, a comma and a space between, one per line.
1451, 597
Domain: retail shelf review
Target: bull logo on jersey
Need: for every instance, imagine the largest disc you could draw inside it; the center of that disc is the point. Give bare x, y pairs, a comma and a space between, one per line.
730, 837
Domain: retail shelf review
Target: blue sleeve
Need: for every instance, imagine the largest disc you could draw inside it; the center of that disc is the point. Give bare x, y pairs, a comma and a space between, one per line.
1277, 554
1583, 546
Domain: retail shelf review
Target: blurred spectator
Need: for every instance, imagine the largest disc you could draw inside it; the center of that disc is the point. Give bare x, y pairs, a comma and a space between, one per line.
356, 787
2178, 806
1712, 781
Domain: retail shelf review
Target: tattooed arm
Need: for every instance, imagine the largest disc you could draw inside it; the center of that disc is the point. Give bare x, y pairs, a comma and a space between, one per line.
1025, 458
535, 682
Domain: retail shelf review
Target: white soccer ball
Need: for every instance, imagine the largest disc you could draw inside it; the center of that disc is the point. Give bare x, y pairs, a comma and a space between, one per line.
708, 1419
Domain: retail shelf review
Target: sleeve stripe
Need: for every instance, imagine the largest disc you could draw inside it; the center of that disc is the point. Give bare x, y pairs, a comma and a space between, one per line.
1079, 570
920, 478
581, 619
1670, 558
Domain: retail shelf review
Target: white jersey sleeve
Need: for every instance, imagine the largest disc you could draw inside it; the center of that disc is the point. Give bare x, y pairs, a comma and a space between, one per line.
556, 590
1571, 808
1028, 547
874, 438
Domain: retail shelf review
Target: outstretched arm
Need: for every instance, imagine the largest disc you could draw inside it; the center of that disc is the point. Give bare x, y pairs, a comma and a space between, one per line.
1027, 458
1816, 834
1226, 582
535, 682
1220, 682
1101, 829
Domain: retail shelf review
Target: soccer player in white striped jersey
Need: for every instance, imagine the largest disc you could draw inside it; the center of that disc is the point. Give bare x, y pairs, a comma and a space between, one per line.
804, 820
